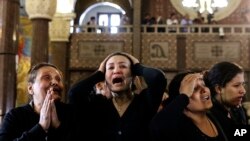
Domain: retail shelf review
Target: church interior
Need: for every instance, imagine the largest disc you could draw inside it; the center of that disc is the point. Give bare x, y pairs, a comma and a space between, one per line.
76, 35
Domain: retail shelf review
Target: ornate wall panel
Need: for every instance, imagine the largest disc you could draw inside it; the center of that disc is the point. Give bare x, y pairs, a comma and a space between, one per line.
76, 76
203, 51
88, 50
159, 50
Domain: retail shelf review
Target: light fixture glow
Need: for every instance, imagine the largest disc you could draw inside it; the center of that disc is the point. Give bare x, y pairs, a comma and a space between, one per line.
205, 5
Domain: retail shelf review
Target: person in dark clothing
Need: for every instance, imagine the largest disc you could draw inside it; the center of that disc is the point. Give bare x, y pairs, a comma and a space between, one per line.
125, 116
148, 21
186, 116
226, 83
44, 118
92, 23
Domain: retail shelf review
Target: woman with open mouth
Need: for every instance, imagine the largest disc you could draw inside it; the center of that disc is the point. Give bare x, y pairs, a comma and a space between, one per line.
126, 115
45, 117
186, 116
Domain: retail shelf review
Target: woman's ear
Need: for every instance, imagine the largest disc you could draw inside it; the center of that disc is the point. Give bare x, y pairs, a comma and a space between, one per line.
30, 89
218, 89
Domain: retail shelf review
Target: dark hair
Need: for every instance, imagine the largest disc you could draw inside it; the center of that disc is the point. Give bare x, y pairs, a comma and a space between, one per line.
172, 14
174, 85
220, 74
32, 74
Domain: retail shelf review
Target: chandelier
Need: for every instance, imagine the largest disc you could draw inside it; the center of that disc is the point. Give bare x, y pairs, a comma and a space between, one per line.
202, 6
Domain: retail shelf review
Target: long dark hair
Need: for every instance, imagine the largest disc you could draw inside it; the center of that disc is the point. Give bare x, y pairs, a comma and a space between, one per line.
220, 74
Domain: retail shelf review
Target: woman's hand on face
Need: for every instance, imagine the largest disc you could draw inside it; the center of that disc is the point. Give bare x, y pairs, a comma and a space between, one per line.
45, 113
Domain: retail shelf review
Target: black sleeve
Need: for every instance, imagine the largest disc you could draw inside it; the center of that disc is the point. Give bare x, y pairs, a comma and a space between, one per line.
80, 92
11, 127
165, 123
156, 83
238, 115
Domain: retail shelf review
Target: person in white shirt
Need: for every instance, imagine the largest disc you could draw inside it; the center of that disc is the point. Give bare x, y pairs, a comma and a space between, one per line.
172, 21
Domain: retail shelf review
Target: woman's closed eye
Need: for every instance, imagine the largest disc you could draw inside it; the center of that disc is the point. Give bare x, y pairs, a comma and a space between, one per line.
110, 67
46, 77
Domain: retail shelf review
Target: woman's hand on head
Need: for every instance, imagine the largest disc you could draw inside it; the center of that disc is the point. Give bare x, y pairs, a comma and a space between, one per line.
189, 83
135, 60
102, 65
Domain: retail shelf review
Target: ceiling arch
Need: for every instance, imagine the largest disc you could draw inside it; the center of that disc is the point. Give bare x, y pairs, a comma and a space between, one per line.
101, 4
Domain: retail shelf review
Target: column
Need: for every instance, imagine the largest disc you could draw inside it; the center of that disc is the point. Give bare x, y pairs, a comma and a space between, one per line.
40, 12
181, 51
9, 14
137, 28
59, 31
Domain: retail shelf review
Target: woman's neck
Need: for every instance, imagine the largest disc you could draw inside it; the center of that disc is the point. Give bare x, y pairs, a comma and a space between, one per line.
221, 101
197, 116
122, 101
35, 107
122, 96
204, 124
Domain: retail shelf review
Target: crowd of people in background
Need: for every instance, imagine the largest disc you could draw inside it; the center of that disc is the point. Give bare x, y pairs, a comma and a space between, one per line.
173, 20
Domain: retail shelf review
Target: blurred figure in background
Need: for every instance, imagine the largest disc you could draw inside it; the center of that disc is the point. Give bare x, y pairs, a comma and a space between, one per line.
92, 24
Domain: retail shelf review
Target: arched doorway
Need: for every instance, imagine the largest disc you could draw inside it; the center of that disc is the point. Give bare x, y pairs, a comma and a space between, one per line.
106, 14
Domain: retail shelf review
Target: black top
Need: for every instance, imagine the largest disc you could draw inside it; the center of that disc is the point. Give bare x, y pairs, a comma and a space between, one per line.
21, 124
237, 120
171, 124
102, 121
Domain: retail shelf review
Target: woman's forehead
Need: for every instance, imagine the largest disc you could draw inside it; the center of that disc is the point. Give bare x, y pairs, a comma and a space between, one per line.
117, 59
49, 70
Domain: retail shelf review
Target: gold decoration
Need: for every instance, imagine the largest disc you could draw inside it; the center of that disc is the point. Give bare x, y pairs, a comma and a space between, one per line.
59, 22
